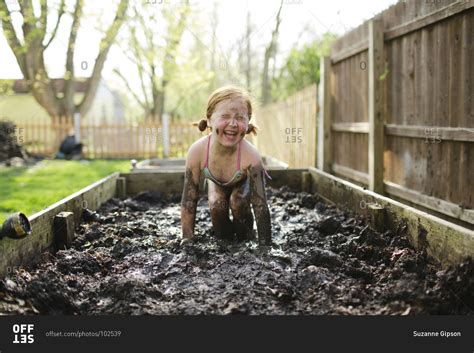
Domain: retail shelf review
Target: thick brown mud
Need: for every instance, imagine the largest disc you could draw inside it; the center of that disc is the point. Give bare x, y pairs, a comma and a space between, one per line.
127, 259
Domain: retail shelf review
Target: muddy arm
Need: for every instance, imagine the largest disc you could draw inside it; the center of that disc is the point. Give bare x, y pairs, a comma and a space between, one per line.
259, 204
189, 202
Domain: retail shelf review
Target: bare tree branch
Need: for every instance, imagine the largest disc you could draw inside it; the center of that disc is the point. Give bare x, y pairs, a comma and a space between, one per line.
105, 44
11, 36
270, 52
126, 81
174, 37
26, 10
69, 79
61, 12
43, 18
141, 70
30, 54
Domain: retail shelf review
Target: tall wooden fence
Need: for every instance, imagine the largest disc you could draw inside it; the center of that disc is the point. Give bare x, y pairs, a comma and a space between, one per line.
288, 129
110, 140
397, 106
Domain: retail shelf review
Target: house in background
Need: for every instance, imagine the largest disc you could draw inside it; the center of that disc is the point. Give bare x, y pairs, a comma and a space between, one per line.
22, 108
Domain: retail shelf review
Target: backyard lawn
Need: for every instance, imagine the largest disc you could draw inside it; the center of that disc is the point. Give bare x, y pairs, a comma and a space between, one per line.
31, 189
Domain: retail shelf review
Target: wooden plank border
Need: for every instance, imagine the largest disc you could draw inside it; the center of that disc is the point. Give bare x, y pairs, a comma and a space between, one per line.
405, 28
167, 181
172, 182
431, 132
26, 251
444, 241
416, 131
433, 203
360, 127
353, 50
414, 197
418, 23
351, 173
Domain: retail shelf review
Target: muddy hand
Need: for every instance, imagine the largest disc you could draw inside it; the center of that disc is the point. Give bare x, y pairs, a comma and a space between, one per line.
189, 202
259, 204
186, 241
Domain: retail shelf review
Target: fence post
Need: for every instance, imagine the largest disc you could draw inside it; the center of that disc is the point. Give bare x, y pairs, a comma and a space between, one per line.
376, 106
63, 230
324, 125
166, 135
77, 127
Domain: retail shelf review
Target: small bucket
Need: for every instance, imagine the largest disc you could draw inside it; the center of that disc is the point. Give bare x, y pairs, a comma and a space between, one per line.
17, 226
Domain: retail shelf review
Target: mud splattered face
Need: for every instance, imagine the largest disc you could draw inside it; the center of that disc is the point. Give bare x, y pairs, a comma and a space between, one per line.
230, 121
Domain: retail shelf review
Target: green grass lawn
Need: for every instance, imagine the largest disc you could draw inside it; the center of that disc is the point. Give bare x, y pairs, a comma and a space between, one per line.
31, 189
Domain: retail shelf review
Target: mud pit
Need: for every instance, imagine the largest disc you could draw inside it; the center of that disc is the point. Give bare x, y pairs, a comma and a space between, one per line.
126, 259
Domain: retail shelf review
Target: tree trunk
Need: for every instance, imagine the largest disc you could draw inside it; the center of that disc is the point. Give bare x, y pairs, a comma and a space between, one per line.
270, 52
30, 58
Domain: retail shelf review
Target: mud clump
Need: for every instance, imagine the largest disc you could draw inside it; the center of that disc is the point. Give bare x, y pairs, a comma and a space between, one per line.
127, 259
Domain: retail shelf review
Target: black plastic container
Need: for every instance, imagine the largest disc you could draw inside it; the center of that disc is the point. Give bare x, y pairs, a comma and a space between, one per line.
17, 226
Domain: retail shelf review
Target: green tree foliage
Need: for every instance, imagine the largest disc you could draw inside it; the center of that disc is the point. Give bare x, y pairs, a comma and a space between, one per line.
6, 87
301, 67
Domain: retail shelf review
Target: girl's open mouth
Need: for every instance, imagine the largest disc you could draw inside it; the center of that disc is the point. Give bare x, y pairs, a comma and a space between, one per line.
230, 135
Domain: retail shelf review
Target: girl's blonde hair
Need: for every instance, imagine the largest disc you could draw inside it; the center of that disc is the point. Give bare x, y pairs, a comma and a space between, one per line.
223, 93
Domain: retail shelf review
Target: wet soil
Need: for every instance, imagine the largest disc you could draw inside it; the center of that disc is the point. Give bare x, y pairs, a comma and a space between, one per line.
127, 259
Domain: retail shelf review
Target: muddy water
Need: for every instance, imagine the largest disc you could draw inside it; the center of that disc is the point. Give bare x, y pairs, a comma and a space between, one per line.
126, 259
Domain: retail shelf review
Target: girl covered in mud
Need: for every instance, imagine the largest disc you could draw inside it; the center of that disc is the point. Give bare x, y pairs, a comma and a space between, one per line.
233, 167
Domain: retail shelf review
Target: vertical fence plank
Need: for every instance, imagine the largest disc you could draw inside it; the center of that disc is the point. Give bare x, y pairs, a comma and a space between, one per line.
45, 144
376, 106
324, 130
93, 149
166, 135
98, 140
314, 126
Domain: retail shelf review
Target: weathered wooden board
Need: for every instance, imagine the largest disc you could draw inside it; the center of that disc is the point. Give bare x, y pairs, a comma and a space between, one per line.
445, 242
376, 106
17, 253
166, 181
172, 182
178, 164
324, 156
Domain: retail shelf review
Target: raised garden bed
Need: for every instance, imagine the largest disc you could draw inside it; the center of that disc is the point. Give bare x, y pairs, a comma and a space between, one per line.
333, 254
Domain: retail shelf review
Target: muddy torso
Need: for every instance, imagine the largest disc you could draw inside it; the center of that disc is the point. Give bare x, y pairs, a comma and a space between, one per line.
223, 168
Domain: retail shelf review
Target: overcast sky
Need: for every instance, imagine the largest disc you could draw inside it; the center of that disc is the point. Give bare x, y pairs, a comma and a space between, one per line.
316, 16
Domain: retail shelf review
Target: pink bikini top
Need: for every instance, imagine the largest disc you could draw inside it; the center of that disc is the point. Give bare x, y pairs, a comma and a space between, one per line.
238, 174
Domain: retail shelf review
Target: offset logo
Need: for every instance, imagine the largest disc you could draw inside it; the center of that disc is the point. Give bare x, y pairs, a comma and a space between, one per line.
23, 333
294, 135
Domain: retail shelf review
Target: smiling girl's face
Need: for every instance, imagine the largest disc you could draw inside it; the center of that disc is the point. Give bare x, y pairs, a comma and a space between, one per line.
230, 121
